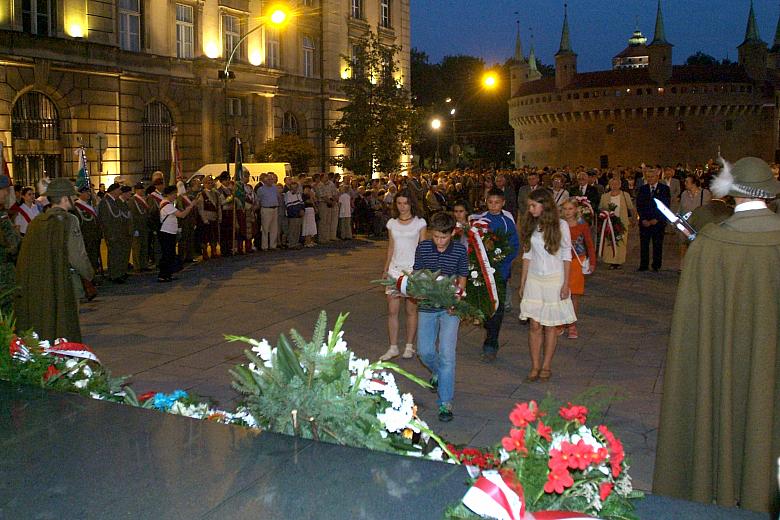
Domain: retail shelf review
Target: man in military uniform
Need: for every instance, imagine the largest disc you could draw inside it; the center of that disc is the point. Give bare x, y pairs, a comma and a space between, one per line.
228, 204
90, 227
719, 433
9, 247
114, 218
154, 199
52, 262
209, 216
139, 228
187, 224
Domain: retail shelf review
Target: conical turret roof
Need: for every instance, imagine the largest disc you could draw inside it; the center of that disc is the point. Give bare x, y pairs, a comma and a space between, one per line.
659, 38
565, 47
751, 32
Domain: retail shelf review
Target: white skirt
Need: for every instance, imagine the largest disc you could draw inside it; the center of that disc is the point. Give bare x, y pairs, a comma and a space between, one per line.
394, 272
309, 223
542, 301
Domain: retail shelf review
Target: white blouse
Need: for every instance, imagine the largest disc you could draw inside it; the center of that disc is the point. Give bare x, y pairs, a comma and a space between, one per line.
405, 240
542, 262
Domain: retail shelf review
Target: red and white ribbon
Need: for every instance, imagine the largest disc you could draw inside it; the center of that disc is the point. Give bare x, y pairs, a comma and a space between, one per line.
558, 515
401, 284
477, 230
63, 347
491, 497
606, 216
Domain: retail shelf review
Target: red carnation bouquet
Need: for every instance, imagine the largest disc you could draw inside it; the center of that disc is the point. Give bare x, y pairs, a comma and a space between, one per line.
552, 460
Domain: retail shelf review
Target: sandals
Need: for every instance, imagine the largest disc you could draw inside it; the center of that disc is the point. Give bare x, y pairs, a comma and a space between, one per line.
391, 353
544, 375
408, 351
533, 376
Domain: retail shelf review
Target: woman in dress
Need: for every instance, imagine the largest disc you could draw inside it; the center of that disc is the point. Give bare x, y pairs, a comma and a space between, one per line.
544, 284
583, 253
309, 216
405, 230
26, 210
616, 256
690, 199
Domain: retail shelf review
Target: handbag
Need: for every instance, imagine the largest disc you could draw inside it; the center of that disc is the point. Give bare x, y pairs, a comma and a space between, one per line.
584, 265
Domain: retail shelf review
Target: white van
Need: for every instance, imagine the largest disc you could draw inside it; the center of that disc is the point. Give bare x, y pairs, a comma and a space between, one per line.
281, 170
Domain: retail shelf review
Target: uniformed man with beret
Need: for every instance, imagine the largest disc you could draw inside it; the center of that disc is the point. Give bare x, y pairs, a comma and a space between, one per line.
139, 228
114, 218
9, 247
85, 210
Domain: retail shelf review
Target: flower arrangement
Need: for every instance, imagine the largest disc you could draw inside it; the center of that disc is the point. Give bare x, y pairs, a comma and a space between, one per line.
432, 289
553, 461
496, 245
586, 209
319, 389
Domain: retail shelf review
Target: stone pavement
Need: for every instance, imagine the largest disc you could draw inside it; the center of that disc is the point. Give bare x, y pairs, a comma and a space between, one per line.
171, 336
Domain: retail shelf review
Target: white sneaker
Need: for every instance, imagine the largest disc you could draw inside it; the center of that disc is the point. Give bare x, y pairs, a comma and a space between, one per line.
408, 352
391, 353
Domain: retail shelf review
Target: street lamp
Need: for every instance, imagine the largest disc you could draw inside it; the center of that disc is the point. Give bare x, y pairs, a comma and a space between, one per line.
490, 80
436, 126
277, 18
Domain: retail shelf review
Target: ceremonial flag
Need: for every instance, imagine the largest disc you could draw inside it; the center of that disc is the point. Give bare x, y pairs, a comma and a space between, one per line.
82, 179
239, 193
175, 164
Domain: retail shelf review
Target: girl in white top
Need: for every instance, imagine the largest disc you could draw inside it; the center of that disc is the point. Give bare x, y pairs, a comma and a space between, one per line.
27, 210
405, 230
544, 284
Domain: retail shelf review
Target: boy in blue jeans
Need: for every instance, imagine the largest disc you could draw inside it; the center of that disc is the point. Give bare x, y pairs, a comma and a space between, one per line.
450, 258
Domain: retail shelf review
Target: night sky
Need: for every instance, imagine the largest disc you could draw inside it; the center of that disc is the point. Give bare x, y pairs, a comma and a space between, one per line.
599, 28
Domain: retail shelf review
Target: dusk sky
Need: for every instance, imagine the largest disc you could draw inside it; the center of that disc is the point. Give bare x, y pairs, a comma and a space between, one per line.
599, 28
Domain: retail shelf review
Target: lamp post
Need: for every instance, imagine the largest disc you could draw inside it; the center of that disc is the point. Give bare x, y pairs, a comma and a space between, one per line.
277, 17
436, 126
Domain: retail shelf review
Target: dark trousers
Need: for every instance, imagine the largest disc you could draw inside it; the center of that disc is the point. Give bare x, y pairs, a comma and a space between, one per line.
168, 262
493, 325
646, 235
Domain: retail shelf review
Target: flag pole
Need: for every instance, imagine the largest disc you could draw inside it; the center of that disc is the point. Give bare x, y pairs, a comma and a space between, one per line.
234, 247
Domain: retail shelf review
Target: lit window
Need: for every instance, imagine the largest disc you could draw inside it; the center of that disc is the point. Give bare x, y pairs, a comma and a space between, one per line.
231, 30
356, 10
234, 107
185, 30
38, 17
308, 57
680, 126
290, 124
384, 19
130, 25
272, 49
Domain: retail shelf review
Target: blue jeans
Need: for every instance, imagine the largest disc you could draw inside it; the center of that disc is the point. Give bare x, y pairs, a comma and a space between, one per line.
430, 326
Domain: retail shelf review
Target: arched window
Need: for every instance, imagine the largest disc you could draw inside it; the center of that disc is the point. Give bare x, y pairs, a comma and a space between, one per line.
156, 124
553, 132
290, 124
680, 126
35, 132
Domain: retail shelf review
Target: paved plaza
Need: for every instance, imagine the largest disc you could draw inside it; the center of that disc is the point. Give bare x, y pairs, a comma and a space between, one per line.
171, 336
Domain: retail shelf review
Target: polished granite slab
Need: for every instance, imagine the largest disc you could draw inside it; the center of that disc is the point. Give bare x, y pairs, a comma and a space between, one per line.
69, 457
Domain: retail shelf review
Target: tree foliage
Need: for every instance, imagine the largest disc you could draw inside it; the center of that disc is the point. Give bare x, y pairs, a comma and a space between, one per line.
377, 123
290, 148
702, 58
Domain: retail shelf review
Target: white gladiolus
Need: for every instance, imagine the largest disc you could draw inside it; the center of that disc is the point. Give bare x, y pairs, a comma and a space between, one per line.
474, 274
263, 350
81, 383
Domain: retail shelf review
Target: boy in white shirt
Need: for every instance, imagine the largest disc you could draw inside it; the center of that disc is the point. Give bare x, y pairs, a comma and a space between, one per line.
345, 213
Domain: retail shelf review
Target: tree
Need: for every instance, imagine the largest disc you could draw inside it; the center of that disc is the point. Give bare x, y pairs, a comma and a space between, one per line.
701, 58
377, 123
288, 148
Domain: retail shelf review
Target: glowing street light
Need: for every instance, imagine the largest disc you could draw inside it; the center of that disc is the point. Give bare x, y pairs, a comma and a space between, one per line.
490, 80
436, 126
278, 16
452, 112
436, 123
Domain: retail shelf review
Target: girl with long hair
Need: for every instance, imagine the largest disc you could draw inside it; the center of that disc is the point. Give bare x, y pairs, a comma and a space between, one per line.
405, 230
544, 284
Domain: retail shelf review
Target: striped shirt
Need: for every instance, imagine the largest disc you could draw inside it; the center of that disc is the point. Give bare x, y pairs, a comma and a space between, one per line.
453, 261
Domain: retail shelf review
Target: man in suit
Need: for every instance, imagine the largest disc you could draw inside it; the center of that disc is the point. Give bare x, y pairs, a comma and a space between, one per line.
674, 187
651, 221
585, 189
510, 194
523, 193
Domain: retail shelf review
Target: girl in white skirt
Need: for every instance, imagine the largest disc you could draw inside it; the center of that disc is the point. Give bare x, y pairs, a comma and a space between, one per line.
544, 284
309, 217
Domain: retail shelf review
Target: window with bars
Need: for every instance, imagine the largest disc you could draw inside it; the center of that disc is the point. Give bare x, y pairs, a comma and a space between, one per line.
356, 9
39, 17
308, 57
185, 31
231, 32
273, 50
130, 25
34, 116
384, 14
290, 124
156, 127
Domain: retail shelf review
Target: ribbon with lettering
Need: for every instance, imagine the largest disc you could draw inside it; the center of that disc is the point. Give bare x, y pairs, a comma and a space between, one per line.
401, 284
477, 230
61, 347
606, 216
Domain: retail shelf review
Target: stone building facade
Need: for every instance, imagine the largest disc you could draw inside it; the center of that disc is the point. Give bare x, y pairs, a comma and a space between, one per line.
119, 76
646, 109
